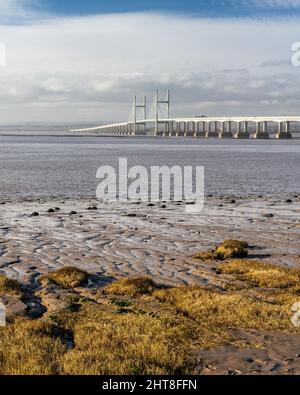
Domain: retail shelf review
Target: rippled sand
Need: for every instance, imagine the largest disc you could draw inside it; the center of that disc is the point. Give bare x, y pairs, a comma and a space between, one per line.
130, 239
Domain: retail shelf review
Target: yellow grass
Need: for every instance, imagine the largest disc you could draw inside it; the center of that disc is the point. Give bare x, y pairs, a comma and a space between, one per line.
132, 286
206, 255
232, 249
28, 348
229, 249
9, 287
68, 277
108, 342
157, 330
262, 274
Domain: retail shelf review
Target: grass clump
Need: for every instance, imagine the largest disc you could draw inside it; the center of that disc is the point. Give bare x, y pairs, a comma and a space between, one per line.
110, 343
134, 286
229, 249
262, 274
69, 277
206, 255
9, 287
217, 313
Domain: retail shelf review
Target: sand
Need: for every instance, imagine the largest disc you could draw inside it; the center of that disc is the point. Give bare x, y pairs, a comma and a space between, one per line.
128, 239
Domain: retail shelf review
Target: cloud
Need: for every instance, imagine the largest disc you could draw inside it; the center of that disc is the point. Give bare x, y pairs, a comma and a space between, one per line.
89, 68
19, 11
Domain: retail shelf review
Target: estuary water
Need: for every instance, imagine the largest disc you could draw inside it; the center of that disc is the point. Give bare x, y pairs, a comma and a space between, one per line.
56, 166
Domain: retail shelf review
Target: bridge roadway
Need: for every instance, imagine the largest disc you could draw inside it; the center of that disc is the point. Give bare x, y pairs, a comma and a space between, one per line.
201, 127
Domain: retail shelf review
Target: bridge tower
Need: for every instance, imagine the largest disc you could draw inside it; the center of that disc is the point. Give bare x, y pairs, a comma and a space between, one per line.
136, 107
158, 101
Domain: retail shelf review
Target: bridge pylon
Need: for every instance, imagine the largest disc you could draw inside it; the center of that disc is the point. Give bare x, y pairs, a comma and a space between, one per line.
136, 107
158, 101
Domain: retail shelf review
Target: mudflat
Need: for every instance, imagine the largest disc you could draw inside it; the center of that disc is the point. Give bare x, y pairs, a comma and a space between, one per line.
132, 269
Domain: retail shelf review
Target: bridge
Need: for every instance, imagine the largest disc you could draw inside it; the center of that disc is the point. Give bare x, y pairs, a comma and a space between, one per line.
242, 127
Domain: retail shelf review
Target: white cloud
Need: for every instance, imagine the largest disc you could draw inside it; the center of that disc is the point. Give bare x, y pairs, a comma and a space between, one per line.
88, 68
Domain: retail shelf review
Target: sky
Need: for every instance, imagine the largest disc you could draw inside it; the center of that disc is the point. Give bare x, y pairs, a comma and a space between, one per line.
83, 61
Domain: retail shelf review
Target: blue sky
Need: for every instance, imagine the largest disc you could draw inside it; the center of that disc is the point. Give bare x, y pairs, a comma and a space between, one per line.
208, 8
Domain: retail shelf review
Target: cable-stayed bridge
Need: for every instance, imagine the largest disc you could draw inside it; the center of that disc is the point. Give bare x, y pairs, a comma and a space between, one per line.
157, 122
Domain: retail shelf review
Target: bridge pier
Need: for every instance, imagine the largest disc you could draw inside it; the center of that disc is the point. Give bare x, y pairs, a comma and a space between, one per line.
261, 131
172, 128
242, 134
190, 129
166, 129
200, 132
284, 132
226, 134
181, 130
212, 132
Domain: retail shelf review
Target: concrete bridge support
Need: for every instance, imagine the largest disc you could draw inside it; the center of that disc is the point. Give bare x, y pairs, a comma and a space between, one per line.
284, 132
261, 131
182, 128
189, 129
172, 128
242, 132
226, 133
212, 130
200, 129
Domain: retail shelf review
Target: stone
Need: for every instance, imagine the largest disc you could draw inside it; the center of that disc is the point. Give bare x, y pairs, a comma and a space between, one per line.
14, 306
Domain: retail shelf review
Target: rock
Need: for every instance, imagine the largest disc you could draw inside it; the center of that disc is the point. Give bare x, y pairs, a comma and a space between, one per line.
289, 201
269, 215
92, 208
51, 210
35, 310
14, 306
56, 301
35, 214
73, 213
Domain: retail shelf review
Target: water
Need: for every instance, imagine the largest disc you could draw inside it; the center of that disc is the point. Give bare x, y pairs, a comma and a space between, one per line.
43, 166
